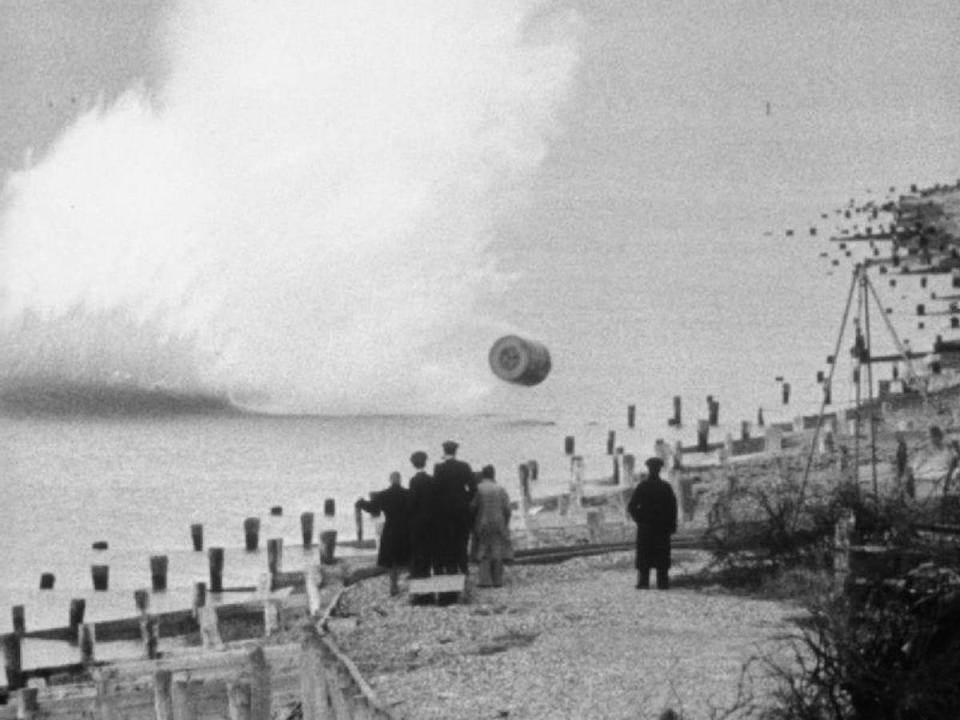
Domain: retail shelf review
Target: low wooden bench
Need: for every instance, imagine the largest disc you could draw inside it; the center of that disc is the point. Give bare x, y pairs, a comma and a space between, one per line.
437, 584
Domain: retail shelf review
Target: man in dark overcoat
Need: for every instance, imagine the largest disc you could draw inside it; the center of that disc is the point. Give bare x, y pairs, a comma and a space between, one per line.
653, 507
394, 551
422, 516
455, 487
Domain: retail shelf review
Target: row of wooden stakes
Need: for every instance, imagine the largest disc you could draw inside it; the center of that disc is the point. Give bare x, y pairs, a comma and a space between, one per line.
245, 681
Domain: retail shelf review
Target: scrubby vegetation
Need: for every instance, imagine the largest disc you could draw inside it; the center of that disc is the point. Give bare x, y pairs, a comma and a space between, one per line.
881, 642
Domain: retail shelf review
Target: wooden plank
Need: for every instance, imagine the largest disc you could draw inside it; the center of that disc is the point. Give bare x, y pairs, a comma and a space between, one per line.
342, 659
173, 623
105, 705
196, 661
27, 707
186, 699
313, 688
313, 589
437, 584
259, 684
162, 695
209, 630
238, 699
335, 691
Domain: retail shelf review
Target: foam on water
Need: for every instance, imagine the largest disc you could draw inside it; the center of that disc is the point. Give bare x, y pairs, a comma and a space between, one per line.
298, 218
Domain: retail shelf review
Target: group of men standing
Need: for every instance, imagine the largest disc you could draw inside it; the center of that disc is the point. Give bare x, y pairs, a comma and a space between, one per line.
429, 526
440, 514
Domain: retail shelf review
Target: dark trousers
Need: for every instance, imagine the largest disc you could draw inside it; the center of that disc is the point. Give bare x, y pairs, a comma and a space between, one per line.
663, 578
423, 558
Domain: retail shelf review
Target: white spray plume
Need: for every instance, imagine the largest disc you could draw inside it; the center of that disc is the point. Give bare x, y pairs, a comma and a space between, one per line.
299, 216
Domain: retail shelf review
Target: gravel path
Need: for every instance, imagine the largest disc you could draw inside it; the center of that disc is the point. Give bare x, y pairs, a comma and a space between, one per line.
573, 640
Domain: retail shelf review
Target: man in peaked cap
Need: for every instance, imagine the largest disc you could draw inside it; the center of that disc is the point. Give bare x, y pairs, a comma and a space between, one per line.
653, 506
454, 487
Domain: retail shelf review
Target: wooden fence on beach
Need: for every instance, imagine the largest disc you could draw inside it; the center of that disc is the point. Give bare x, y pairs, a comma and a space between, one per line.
312, 679
249, 680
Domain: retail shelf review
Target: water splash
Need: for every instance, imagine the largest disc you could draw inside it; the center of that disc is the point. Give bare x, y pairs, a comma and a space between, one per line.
298, 218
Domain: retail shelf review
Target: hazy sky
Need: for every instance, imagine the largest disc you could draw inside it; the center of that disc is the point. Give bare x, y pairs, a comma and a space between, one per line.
58, 56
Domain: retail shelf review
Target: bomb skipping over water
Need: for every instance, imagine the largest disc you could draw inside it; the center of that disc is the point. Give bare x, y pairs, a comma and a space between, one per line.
519, 361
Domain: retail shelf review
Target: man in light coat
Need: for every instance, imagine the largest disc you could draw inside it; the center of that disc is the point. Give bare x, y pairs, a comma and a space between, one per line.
491, 511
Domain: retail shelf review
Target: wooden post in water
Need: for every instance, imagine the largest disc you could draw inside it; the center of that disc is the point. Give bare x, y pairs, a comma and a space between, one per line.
276, 511
162, 697
713, 411
196, 535
534, 467
274, 558
149, 627
703, 435
199, 597
759, 417
13, 660
576, 484
611, 441
78, 607
744, 429
629, 465
358, 519
251, 533
306, 528
158, 572
329, 507
569, 445
19, 618
87, 639
209, 628
676, 419
523, 473
101, 577
47, 581
328, 545
150, 636
215, 557
774, 440
786, 393
631, 416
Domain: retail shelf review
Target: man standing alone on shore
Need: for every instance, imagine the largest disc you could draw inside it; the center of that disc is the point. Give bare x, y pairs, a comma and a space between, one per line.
653, 506
455, 487
422, 518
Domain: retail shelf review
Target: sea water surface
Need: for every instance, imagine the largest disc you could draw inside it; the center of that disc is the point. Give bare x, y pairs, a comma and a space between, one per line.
648, 249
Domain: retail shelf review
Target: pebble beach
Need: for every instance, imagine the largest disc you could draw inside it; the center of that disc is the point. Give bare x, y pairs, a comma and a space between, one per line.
568, 640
